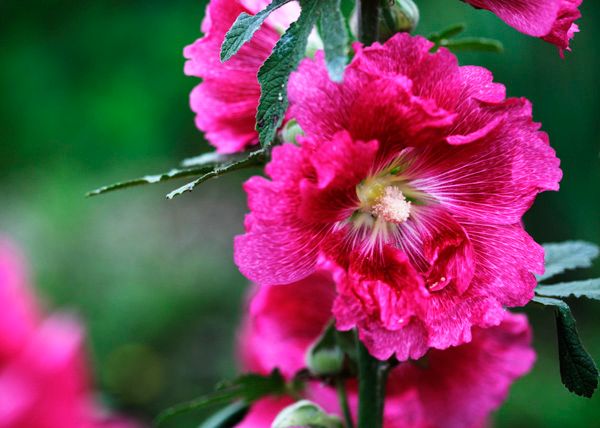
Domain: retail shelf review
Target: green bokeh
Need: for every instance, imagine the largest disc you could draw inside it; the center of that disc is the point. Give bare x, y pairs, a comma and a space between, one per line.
93, 92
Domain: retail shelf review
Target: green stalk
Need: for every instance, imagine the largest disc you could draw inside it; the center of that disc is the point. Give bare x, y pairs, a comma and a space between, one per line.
340, 386
368, 21
372, 377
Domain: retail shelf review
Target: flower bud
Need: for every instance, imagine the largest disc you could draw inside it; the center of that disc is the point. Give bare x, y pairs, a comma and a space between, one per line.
305, 413
402, 16
325, 357
396, 16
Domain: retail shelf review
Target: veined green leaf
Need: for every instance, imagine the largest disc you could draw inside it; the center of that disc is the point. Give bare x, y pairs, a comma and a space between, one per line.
253, 159
588, 288
472, 44
244, 28
274, 74
578, 370
567, 255
247, 388
332, 30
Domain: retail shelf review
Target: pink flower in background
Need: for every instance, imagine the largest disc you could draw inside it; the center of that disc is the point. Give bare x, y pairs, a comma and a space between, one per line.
552, 20
225, 102
455, 388
413, 177
43, 371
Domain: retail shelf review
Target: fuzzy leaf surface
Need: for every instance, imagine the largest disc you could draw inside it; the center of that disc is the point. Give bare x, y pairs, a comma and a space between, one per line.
564, 256
244, 28
578, 370
274, 74
332, 30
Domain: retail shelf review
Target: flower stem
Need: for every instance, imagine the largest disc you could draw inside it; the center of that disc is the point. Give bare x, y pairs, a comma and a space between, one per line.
368, 21
372, 377
343, 398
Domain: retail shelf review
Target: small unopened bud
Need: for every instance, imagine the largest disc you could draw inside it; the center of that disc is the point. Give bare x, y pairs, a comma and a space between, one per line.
395, 16
325, 357
305, 413
290, 132
401, 16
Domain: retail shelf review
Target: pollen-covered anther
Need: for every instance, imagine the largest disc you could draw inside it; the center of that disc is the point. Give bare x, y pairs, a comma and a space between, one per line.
392, 206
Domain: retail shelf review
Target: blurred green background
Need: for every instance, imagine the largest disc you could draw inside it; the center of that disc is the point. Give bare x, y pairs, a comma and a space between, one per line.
93, 92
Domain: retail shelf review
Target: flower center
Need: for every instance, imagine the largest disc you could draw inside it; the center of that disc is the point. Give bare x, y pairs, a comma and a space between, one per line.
383, 199
392, 206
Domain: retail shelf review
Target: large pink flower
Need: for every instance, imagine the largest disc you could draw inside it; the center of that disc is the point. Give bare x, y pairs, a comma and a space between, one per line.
457, 388
552, 20
225, 102
413, 178
43, 374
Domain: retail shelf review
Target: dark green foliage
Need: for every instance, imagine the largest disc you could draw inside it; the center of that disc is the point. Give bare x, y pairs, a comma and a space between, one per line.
332, 30
578, 370
274, 74
247, 388
244, 28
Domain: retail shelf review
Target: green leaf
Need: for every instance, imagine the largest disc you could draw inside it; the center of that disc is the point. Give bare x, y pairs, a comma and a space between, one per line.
227, 417
567, 255
153, 179
305, 413
325, 357
253, 159
205, 165
578, 370
332, 30
248, 388
274, 74
588, 288
244, 28
472, 44
447, 33
210, 158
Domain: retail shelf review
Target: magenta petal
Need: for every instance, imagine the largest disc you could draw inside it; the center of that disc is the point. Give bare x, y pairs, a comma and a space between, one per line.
283, 321
552, 20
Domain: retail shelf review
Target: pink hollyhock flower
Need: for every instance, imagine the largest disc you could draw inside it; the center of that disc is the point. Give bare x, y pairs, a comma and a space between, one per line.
413, 178
552, 20
225, 102
43, 373
457, 388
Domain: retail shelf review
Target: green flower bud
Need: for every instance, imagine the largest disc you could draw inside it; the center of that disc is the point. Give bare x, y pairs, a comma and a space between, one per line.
325, 357
305, 413
395, 16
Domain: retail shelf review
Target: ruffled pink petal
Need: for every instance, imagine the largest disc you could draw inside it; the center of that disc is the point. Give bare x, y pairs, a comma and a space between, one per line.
283, 321
532, 17
460, 387
277, 248
552, 20
564, 27
506, 258
340, 165
496, 178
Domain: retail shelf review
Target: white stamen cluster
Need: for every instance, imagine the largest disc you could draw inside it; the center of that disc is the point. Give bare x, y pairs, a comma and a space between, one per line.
392, 206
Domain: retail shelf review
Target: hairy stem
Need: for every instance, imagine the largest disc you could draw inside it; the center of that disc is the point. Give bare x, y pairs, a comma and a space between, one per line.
372, 377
